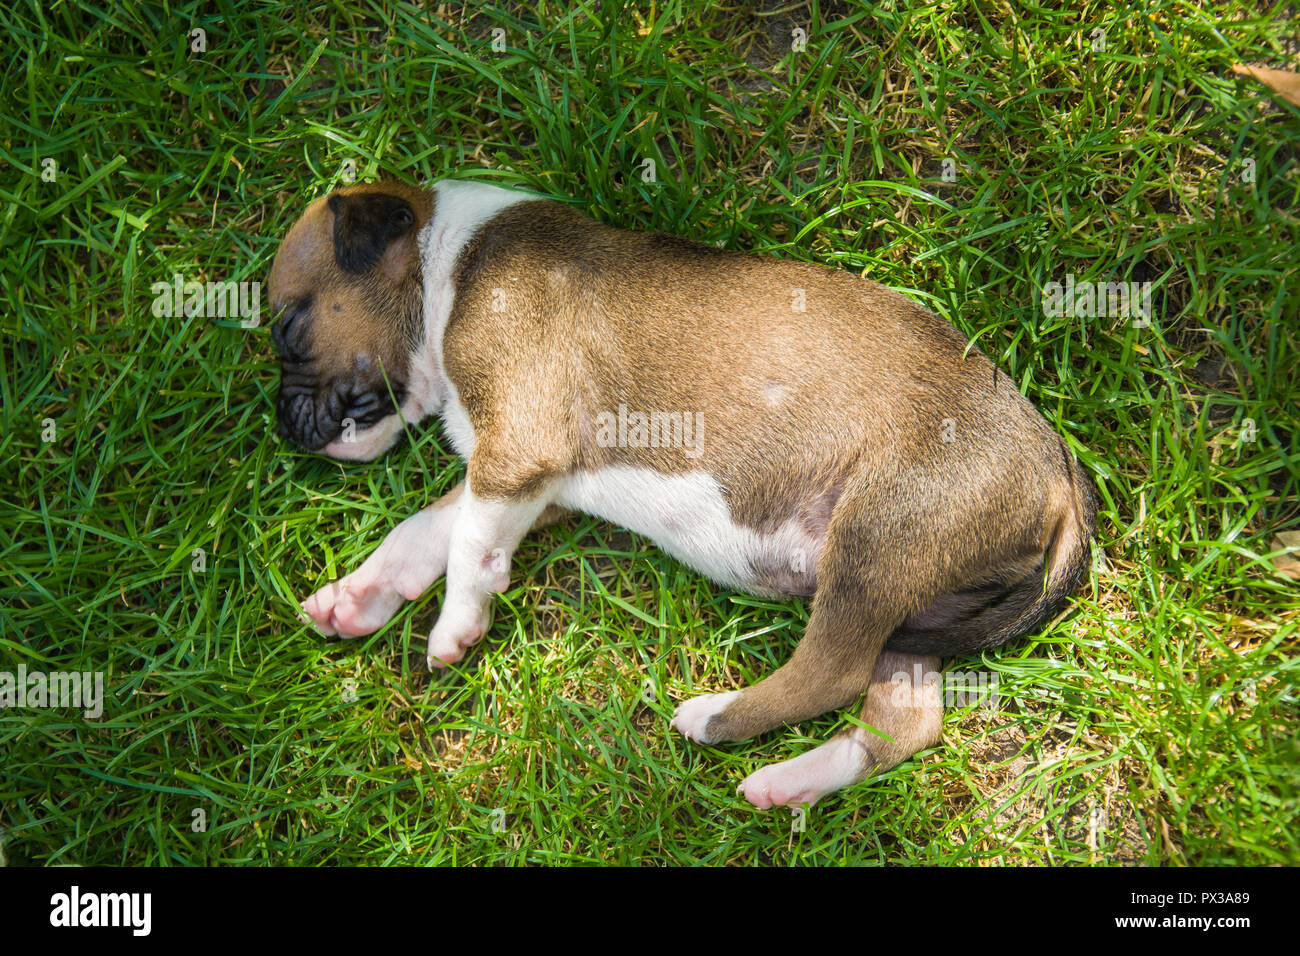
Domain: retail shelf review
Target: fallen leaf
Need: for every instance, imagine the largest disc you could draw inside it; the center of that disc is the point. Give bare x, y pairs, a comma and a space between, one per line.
1284, 83
1287, 564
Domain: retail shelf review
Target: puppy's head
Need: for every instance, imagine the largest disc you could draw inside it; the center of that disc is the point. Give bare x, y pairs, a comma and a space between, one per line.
347, 286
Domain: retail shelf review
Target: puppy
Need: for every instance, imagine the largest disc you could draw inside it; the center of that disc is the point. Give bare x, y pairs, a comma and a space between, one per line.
782, 427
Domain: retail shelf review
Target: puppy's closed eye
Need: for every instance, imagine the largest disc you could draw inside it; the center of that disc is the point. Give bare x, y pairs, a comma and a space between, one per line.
287, 331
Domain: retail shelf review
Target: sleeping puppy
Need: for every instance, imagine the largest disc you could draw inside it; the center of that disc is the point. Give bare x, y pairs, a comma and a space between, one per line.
782, 427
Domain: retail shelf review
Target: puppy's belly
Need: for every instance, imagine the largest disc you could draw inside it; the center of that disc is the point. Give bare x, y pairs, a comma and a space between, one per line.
687, 516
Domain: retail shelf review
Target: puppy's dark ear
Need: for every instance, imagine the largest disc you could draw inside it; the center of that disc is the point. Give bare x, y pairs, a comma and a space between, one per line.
364, 225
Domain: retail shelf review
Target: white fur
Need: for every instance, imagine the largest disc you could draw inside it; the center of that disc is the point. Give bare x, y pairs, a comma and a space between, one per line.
483, 540
411, 558
367, 444
687, 516
691, 718
809, 777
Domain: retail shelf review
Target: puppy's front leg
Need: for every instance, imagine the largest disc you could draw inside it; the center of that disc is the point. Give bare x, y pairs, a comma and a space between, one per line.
412, 557
483, 541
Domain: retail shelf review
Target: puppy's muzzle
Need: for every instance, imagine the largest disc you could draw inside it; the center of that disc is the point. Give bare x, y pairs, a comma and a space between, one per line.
314, 409
304, 420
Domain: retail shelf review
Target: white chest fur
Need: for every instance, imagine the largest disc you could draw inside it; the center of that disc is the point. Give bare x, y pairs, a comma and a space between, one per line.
460, 210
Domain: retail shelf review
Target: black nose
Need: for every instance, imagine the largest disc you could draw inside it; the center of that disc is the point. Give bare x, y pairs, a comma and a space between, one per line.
309, 416
312, 417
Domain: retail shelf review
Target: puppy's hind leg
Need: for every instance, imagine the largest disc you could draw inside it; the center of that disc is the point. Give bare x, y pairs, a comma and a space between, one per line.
830, 668
905, 709
889, 551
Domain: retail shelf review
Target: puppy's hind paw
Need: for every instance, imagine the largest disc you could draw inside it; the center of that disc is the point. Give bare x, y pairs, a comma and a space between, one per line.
808, 777
692, 717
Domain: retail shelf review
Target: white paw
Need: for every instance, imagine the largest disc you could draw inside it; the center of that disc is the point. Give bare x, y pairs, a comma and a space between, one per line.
808, 777
457, 630
692, 717
403, 567
352, 607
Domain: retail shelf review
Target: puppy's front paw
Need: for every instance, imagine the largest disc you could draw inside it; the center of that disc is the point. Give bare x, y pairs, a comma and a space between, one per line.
412, 557
353, 606
692, 717
456, 632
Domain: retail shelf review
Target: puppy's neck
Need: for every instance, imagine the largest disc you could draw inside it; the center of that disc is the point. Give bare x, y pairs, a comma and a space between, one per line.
460, 210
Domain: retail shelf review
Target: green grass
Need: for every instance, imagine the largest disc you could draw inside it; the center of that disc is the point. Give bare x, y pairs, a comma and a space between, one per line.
1156, 722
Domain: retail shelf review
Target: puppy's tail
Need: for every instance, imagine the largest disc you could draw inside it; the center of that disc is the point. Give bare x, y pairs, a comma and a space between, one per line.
1016, 600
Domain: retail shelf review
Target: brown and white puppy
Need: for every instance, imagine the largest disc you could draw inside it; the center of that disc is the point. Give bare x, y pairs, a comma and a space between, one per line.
784, 428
